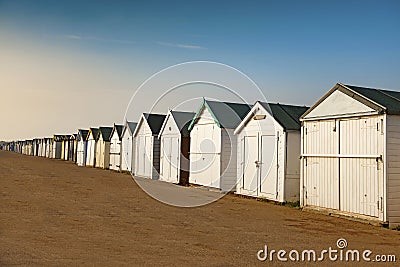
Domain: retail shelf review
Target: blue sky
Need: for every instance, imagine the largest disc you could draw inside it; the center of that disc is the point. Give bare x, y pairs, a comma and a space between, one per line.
294, 50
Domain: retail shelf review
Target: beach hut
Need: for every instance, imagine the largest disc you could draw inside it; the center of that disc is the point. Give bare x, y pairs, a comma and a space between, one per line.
19, 147
91, 141
65, 147
31, 147
49, 147
35, 146
351, 154
72, 142
268, 152
115, 147
81, 147
103, 148
213, 145
174, 144
58, 146
22, 147
147, 145
128, 147
42, 147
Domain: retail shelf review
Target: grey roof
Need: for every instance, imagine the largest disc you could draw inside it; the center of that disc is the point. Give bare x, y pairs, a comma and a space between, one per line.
388, 99
155, 121
105, 132
83, 133
286, 115
226, 115
119, 129
131, 125
183, 120
95, 134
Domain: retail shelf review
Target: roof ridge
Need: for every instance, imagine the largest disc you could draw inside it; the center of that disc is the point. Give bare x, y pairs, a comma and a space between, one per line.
386, 94
226, 102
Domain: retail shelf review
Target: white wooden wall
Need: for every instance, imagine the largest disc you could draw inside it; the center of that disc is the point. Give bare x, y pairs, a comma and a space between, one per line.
170, 147
345, 174
81, 153
99, 153
102, 154
91, 151
115, 152
144, 152
321, 177
205, 152
49, 148
127, 148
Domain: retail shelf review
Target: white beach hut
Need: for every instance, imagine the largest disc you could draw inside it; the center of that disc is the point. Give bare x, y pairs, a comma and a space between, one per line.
147, 156
103, 148
81, 147
213, 145
65, 148
42, 147
115, 147
175, 144
128, 147
269, 152
49, 147
351, 154
91, 141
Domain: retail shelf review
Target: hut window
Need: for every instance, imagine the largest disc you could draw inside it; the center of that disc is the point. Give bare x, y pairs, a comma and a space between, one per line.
259, 117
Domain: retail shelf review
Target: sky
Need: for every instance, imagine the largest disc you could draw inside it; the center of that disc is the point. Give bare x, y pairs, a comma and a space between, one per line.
66, 65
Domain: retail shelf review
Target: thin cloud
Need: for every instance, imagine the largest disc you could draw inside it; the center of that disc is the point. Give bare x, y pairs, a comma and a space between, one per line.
93, 38
185, 46
72, 36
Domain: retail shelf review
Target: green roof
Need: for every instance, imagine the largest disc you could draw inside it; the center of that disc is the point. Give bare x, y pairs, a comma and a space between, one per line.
288, 116
226, 115
388, 99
